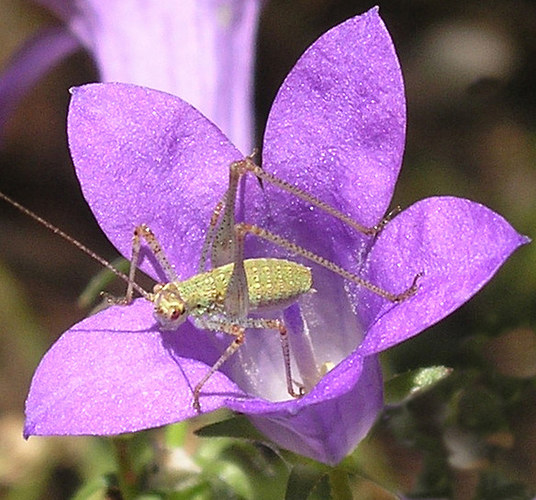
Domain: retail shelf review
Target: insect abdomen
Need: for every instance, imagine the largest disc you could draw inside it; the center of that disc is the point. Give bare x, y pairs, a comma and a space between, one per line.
276, 283
272, 284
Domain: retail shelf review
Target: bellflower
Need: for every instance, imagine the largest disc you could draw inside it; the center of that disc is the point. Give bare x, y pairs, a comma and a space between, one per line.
200, 50
337, 130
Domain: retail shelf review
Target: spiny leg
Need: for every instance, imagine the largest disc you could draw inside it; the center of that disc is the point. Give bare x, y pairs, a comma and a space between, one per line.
220, 235
279, 325
248, 165
222, 238
228, 246
143, 231
395, 211
331, 266
238, 330
236, 304
223, 245
239, 334
236, 301
211, 234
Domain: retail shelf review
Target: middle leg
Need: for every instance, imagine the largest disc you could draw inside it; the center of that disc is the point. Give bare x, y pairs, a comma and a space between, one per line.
238, 331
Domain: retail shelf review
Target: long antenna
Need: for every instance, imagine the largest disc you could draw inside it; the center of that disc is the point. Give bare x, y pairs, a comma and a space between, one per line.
76, 243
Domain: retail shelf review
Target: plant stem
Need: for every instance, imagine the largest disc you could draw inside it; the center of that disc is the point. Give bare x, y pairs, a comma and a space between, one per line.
125, 471
340, 485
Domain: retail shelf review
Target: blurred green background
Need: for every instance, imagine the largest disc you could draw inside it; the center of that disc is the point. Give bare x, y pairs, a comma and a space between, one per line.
470, 73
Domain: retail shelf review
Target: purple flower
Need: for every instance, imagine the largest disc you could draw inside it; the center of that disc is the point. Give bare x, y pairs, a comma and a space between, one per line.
200, 50
336, 129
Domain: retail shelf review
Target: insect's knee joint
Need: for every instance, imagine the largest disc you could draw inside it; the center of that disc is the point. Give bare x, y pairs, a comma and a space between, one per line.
238, 168
241, 229
144, 230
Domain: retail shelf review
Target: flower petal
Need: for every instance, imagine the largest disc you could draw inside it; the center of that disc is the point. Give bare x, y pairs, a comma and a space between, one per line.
458, 245
327, 423
160, 45
337, 125
114, 372
62, 8
146, 157
37, 55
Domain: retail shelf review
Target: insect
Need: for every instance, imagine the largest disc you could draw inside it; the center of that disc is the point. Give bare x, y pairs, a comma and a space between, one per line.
222, 298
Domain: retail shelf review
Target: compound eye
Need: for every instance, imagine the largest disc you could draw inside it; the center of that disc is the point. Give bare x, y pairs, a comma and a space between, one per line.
169, 310
175, 313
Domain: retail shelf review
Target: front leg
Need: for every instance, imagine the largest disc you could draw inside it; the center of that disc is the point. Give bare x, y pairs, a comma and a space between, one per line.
143, 231
239, 333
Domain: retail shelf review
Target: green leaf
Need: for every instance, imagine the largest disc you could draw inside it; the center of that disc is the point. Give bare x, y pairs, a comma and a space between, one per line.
176, 434
340, 485
403, 387
236, 427
243, 468
303, 479
99, 282
96, 489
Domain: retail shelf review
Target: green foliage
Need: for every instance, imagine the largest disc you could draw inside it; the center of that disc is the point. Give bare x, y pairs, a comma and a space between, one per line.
402, 388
